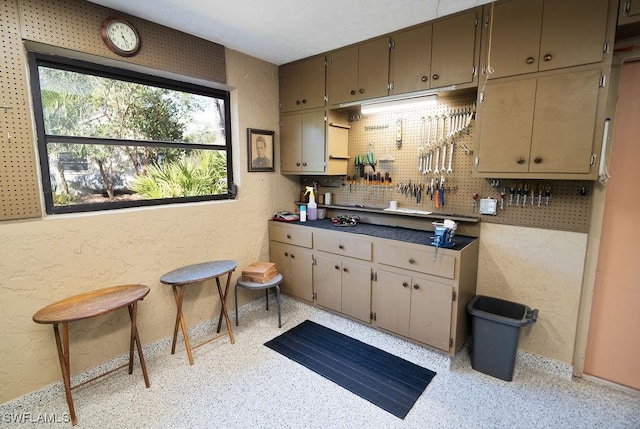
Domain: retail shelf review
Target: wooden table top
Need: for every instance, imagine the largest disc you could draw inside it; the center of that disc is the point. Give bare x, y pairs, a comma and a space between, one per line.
90, 304
198, 272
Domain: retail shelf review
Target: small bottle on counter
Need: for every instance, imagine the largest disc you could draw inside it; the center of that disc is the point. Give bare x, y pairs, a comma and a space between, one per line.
303, 213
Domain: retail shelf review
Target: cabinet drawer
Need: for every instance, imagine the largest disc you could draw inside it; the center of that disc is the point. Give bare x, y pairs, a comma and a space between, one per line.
345, 246
417, 260
290, 235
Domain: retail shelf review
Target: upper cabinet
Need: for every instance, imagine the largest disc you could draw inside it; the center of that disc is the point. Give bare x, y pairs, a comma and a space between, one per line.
540, 127
358, 72
302, 84
453, 47
527, 36
436, 55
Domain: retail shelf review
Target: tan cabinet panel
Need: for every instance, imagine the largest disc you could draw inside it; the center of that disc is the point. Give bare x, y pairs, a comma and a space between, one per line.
342, 75
279, 254
430, 313
302, 84
302, 142
392, 302
573, 33
301, 273
564, 122
373, 69
515, 37
294, 236
505, 126
417, 260
453, 49
629, 12
410, 62
344, 245
327, 282
356, 290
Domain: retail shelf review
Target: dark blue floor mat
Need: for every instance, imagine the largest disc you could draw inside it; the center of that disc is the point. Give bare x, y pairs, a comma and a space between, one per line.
381, 378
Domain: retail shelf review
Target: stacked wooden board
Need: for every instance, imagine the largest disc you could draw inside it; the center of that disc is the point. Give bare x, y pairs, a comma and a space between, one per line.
259, 272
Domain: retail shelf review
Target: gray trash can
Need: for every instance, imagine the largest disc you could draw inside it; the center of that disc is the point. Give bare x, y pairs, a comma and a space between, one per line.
495, 330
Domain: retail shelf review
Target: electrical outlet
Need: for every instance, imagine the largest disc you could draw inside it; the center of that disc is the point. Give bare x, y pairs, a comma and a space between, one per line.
488, 206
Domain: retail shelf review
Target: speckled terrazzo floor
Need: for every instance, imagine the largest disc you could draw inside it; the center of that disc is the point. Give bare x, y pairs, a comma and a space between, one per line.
247, 385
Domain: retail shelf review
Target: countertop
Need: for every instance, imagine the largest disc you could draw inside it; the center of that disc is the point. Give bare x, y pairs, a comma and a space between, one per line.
406, 235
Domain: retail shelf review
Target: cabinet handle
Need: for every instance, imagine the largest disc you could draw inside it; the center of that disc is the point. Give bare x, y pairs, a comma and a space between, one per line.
547, 57
435, 77
424, 78
297, 164
353, 92
537, 160
520, 161
304, 101
297, 102
411, 260
286, 254
627, 8
530, 60
289, 236
340, 246
345, 270
361, 91
405, 284
293, 256
415, 286
336, 267
304, 164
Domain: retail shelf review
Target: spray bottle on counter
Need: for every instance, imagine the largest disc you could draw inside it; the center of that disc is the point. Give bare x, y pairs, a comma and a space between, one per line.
312, 207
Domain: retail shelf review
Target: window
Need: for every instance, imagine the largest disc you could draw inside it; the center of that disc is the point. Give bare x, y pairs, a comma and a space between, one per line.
111, 138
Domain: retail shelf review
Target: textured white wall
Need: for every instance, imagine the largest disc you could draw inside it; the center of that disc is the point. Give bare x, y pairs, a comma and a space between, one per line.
539, 268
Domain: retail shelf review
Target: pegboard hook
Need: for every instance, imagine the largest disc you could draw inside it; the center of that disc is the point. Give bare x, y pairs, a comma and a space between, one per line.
5, 107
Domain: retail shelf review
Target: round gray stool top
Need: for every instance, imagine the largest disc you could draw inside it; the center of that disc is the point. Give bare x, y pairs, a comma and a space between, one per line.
198, 272
253, 285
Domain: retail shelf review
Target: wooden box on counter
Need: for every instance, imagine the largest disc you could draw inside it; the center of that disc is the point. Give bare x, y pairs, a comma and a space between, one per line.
259, 272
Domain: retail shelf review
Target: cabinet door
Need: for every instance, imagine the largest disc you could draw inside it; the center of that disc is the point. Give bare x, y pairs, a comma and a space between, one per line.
393, 302
629, 12
505, 121
573, 33
515, 37
564, 122
327, 284
431, 304
290, 86
411, 60
373, 69
313, 142
301, 273
280, 255
342, 75
356, 291
313, 83
453, 50
290, 143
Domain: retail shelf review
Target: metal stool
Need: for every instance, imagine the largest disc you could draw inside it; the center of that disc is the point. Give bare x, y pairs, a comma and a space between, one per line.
274, 282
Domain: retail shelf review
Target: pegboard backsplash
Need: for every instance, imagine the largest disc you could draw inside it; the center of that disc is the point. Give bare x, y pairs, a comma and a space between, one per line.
567, 207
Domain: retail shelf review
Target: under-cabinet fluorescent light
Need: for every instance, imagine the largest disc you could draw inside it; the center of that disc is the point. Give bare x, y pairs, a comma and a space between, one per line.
387, 106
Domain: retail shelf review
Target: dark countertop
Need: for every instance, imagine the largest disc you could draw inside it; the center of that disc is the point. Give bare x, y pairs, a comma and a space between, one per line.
406, 235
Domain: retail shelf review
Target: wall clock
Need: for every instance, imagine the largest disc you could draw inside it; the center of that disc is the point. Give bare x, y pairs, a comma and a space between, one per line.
120, 36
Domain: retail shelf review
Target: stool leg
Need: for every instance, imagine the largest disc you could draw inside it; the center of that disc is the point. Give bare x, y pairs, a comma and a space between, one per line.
278, 301
236, 294
267, 297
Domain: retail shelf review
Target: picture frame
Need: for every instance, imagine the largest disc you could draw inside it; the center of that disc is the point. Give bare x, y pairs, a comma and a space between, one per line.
260, 150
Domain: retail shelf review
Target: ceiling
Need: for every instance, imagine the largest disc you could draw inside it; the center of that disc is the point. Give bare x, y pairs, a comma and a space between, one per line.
281, 31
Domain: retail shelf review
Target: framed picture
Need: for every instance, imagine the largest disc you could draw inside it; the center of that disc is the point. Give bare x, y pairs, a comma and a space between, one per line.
260, 149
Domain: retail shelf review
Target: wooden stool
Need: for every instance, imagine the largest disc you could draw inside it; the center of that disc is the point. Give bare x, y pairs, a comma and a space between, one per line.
274, 282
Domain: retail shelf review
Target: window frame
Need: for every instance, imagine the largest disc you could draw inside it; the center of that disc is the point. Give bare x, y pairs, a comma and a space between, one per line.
37, 59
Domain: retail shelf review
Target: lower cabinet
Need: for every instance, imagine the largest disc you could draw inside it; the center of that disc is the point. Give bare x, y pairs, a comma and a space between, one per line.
343, 286
295, 265
414, 307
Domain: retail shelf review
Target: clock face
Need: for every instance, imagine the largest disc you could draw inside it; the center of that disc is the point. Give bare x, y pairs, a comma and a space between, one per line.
121, 37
